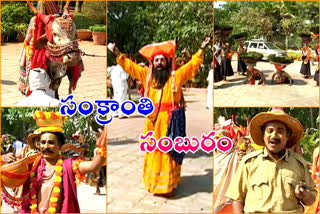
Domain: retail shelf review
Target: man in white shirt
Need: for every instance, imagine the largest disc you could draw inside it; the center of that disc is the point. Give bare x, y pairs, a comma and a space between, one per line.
210, 88
120, 86
42, 95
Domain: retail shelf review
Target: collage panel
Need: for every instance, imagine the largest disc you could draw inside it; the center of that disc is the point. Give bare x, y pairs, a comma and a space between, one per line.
52, 163
273, 164
46, 57
266, 53
53, 160
164, 48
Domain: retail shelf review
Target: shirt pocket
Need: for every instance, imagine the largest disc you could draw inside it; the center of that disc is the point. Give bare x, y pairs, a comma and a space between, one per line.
290, 181
260, 187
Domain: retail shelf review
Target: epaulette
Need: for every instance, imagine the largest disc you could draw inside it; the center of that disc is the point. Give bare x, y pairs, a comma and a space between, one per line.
299, 158
251, 155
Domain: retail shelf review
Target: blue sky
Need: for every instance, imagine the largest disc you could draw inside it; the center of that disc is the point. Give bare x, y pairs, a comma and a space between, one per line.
218, 4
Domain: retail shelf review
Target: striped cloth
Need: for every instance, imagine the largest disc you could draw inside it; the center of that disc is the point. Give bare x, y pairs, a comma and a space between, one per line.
45, 7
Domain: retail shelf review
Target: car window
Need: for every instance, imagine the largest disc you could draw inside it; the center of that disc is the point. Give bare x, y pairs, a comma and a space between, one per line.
260, 46
271, 46
246, 44
253, 45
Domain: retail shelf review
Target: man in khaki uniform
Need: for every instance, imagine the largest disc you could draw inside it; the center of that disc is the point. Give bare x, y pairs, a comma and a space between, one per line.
273, 179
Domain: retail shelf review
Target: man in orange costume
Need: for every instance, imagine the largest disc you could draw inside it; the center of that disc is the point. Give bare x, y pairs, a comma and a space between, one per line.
314, 208
163, 86
306, 56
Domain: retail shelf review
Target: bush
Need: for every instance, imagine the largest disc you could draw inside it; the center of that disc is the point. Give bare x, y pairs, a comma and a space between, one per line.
251, 57
294, 55
98, 28
16, 13
95, 10
15, 18
83, 22
309, 142
280, 45
280, 60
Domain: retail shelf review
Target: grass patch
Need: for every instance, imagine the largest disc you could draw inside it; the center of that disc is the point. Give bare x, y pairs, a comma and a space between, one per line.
83, 22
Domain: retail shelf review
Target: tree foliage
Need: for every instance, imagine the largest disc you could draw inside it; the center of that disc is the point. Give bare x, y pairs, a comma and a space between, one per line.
14, 16
16, 121
131, 25
280, 21
95, 10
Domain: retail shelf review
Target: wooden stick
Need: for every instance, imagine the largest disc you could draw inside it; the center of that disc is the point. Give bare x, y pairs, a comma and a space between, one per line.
67, 4
32, 7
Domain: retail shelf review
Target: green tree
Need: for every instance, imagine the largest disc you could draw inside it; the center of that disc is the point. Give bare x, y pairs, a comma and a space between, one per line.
277, 21
135, 24
16, 121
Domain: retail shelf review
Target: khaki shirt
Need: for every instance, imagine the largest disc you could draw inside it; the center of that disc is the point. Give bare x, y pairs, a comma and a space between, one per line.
263, 184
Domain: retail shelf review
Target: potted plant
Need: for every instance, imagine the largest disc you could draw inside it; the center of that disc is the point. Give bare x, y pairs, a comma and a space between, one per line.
7, 31
3, 31
21, 30
98, 34
84, 34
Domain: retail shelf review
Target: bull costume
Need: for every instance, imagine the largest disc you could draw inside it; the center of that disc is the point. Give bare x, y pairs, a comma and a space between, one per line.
44, 7
41, 51
161, 174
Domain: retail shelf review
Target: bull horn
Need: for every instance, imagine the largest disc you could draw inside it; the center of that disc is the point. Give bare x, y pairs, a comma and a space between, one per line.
32, 7
66, 7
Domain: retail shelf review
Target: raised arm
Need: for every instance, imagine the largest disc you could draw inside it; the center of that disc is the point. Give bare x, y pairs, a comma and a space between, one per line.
189, 70
100, 158
133, 69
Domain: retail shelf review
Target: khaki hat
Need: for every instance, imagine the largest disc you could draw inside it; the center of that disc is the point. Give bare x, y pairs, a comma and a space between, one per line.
33, 135
261, 119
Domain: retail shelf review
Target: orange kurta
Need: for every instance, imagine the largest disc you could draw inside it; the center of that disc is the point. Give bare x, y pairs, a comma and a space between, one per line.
314, 208
161, 173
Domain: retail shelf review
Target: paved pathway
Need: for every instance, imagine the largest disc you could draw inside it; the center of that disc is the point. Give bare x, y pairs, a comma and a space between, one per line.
126, 192
89, 203
301, 94
91, 85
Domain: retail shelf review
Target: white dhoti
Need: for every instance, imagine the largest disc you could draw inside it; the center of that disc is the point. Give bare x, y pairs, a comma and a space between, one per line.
210, 90
120, 87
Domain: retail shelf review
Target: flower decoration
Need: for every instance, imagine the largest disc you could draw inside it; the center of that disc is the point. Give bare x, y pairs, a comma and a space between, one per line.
75, 167
53, 202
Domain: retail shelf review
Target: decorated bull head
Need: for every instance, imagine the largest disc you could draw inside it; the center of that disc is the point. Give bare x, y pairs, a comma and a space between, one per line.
61, 46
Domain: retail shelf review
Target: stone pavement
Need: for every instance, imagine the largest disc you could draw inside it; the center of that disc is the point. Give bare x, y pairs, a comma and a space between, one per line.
234, 94
126, 192
90, 86
89, 203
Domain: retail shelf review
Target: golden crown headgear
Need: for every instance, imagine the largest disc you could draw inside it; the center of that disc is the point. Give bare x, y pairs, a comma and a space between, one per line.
49, 121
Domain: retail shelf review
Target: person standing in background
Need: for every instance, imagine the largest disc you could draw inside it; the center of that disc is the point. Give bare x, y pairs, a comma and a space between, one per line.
120, 87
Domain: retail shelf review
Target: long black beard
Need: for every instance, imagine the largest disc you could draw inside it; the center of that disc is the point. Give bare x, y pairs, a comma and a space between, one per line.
160, 76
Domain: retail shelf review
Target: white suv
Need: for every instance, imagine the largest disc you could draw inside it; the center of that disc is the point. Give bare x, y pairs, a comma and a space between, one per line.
263, 47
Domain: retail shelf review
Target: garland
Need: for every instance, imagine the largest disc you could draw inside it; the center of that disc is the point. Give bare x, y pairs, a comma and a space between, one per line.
75, 168
35, 181
102, 152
